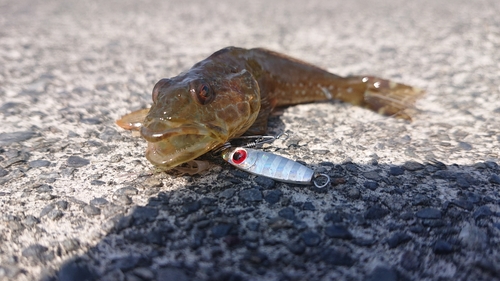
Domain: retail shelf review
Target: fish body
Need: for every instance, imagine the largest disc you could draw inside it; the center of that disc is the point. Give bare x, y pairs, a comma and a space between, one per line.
233, 91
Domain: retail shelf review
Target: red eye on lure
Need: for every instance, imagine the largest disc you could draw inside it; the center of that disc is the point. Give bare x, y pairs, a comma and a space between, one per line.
239, 156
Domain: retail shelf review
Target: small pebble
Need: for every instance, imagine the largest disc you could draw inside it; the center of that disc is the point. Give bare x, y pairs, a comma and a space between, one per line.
191, 207
287, 213
62, 204
462, 182
310, 238
221, 230
353, 193
473, 237
372, 185
99, 201
413, 166
397, 239
273, 196
44, 188
46, 210
97, 182
227, 193
72, 271
15, 225
296, 248
410, 261
420, 199
70, 245
144, 273
338, 231
3, 172
91, 121
34, 251
364, 242
465, 145
15, 137
264, 182
108, 134
172, 273
123, 199
429, 213
382, 273
91, 210
128, 190
494, 178
115, 158
445, 174
308, 206
482, 212
442, 247
372, 176
38, 163
396, 171
142, 215
77, 161
335, 257
31, 220
375, 213
333, 217
253, 225
464, 204
55, 214
351, 168
250, 195
240, 174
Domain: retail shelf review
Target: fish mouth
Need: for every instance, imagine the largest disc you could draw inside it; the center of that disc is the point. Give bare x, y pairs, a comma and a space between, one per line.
171, 144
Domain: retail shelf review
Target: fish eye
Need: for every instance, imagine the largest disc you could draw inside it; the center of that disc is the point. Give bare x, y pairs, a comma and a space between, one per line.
157, 88
204, 94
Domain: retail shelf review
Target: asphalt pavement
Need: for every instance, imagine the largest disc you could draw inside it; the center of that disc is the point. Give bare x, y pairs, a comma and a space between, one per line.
413, 200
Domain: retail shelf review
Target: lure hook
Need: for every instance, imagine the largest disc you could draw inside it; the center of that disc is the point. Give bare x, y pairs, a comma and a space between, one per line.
260, 140
255, 142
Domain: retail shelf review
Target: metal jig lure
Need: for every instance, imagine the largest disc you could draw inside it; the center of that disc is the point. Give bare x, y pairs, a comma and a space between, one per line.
273, 166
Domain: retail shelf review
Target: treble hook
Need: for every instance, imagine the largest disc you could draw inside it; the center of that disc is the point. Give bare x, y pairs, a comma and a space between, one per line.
253, 141
260, 140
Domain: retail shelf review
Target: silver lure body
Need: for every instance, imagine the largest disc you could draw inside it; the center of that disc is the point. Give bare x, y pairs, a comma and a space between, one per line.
270, 165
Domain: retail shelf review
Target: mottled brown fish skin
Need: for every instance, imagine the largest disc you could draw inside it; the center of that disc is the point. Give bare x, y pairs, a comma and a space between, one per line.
232, 93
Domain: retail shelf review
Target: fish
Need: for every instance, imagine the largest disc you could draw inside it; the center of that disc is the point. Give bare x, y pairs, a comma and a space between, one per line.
232, 93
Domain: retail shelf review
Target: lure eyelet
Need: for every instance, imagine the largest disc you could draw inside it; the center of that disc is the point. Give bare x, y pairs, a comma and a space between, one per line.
321, 180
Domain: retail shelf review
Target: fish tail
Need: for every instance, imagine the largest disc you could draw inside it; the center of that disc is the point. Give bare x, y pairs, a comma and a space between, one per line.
380, 95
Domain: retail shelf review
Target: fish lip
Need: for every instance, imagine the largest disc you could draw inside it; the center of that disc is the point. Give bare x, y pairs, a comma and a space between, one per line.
156, 136
176, 157
166, 151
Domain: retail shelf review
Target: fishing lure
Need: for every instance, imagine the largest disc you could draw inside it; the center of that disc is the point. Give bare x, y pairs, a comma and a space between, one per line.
273, 166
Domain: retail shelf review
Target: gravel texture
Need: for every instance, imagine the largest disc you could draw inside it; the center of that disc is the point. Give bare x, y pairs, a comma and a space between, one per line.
409, 201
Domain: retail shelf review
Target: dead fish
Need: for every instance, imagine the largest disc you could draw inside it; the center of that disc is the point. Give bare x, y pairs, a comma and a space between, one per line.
232, 93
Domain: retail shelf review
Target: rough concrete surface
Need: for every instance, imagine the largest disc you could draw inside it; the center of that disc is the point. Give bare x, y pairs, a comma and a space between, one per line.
410, 201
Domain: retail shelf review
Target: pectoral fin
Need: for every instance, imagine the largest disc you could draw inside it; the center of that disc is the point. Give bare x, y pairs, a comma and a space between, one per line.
133, 120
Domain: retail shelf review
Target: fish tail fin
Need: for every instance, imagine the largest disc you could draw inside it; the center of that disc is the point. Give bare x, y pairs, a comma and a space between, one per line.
381, 95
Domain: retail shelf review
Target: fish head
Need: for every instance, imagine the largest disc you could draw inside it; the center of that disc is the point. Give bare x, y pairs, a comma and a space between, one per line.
194, 113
